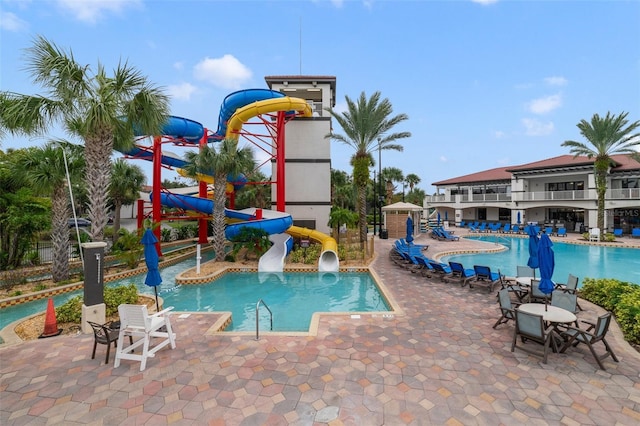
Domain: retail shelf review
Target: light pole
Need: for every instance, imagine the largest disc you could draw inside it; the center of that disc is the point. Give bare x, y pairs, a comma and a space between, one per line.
380, 193
375, 200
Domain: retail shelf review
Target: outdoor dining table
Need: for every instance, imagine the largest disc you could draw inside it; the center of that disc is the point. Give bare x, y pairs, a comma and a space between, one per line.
526, 281
552, 315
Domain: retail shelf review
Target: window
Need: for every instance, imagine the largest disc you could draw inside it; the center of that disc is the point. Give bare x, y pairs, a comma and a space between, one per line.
565, 186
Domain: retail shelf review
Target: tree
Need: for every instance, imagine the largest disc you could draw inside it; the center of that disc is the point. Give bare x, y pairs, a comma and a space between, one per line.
608, 136
227, 161
391, 175
412, 180
100, 109
45, 170
416, 196
339, 217
367, 125
124, 188
342, 190
256, 193
22, 214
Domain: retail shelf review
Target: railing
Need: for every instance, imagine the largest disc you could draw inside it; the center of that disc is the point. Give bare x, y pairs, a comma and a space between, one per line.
623, 194
258, 318
553, 195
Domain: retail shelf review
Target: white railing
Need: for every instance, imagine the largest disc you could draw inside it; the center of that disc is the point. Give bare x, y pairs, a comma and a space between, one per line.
623, 194
552, 195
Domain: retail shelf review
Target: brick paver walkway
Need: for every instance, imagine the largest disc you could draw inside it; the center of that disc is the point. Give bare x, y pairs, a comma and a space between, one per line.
440, 363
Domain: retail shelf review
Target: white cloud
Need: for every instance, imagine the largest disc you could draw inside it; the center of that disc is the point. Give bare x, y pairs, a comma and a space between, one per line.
178, 65
535, 127
556, 81
225, 72
545, 105
10, 22
443, 159
182, 91
91, 11
499, 134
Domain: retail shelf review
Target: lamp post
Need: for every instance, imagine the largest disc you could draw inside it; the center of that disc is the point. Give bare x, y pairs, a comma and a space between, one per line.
380, 179
375, 199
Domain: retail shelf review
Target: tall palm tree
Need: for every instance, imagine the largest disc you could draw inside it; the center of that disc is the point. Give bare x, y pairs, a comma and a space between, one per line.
391, 175
412, 180
99, 108
608, 136
228, 160
367, 125
126, 182
45, 169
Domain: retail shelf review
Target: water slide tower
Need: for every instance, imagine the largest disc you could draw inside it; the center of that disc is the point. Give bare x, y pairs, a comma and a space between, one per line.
307, 151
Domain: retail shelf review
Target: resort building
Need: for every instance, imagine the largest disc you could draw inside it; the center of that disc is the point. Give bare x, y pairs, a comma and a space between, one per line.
558, 192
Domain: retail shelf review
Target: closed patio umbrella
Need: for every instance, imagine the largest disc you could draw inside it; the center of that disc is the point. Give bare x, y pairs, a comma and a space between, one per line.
546, 262
153, 278
446, 216
533, 248
409, 229
438, 218
518, 218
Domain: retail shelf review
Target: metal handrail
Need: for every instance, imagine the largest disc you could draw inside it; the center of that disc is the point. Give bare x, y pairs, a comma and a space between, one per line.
257, 318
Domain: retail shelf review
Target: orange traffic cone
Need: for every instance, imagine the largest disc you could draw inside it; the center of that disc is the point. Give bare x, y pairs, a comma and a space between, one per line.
50, 323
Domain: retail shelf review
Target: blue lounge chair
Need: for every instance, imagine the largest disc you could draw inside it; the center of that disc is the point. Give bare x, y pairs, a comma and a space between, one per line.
482, 227
506, 228
548, 230
561, 232
443, 234
515, 229
441, 269
635, 233
617, 232
458, 272
484, 277
462, 224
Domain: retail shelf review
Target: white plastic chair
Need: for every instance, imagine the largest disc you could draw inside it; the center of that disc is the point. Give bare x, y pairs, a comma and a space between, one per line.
136, 321
594, 234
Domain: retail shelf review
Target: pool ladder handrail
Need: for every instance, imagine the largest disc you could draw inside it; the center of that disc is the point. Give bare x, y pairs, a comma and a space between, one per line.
258, 319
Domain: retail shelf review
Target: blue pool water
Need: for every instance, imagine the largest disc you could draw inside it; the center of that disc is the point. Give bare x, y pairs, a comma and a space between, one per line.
584, 261
292, 297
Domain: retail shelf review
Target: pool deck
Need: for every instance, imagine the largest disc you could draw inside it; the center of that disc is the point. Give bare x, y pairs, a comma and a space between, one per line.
440, 363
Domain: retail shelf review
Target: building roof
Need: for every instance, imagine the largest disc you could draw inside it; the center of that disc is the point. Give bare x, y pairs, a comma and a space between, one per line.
622, 163
496, 174
402, 206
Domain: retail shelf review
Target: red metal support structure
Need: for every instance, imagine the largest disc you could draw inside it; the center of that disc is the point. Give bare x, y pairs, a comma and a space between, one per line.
202, 193
157, 188
280, 163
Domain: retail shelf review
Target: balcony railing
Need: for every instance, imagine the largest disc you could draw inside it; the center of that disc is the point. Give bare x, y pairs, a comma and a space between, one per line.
623, 194
612, 194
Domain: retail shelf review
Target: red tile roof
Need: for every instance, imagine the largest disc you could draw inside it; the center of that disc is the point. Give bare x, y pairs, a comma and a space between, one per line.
499, 173
623, 163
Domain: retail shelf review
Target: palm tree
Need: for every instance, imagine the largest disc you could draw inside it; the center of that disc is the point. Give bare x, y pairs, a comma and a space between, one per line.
391, 175
45, 169
608, 136
227, 161
367, 125
100, 109
412, 180
126, 182
342, 190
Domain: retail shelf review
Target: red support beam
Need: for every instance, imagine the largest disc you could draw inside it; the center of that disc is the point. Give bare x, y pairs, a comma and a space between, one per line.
157, 188
202, 193
280, 163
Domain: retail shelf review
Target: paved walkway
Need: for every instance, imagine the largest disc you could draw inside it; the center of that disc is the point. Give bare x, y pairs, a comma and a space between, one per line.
440, 363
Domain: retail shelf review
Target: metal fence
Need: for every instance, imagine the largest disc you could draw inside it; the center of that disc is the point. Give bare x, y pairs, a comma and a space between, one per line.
42, 252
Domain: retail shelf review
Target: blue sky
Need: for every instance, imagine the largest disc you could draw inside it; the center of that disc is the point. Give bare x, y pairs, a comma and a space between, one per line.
485, 83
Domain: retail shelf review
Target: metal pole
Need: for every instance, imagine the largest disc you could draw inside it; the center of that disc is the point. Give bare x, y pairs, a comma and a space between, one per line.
380, 178
375, 203
73, 206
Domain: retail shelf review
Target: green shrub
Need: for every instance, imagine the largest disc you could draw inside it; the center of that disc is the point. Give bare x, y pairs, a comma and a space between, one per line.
621, 298
307, 256
71, 311
628, 315
604, 292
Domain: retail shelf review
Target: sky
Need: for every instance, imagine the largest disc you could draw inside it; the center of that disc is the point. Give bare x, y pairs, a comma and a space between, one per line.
485, 83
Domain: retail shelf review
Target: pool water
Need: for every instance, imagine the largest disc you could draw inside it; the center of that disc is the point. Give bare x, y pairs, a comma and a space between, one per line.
292, 297
583, 261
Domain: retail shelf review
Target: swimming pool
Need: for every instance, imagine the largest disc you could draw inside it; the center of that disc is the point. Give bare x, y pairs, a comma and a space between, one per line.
292, 297
584, 261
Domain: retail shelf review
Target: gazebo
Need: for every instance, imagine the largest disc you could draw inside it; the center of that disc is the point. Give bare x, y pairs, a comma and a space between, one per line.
395, 218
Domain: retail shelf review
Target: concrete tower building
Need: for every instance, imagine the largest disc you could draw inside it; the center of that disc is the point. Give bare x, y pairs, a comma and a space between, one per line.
307, 151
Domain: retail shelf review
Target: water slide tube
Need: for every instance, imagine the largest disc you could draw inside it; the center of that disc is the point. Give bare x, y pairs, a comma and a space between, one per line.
329, 260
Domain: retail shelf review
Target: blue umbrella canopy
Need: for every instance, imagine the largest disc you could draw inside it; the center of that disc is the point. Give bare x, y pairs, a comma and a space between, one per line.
533, 247
438, 218
518, 218
153, 278
546, 261
409, 229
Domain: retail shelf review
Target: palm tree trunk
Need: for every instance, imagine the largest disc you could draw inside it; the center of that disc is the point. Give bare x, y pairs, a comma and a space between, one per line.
60, 234
601, 168
98, 150
219, 197
362, 214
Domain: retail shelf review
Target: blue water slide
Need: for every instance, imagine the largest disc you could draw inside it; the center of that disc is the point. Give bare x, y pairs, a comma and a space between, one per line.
271, 225
237, 100
178, 127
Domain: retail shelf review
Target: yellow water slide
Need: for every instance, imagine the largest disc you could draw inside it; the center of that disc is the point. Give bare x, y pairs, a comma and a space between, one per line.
329, 260
242, 115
